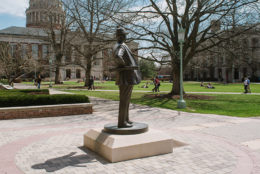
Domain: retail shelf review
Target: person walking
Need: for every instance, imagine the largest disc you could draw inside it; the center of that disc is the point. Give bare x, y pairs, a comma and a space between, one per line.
246, 85
91, 83
156, 83
38, 81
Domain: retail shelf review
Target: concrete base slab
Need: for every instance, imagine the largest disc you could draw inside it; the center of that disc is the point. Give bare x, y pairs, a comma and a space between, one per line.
117, 148
254, 144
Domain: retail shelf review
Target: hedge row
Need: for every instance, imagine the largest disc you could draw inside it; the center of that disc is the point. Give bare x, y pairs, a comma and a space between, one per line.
43, 99
23, 92
4, 81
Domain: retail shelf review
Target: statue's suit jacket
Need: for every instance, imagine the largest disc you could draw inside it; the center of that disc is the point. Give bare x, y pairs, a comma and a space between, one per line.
124, 58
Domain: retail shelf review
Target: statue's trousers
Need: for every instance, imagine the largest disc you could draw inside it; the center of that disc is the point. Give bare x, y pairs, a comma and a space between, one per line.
125, 96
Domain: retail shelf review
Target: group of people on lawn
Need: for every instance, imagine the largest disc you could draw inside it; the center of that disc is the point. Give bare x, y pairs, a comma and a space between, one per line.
246, 83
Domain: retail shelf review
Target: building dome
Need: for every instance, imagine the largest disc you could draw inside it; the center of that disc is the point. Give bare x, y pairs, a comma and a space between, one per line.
43, 13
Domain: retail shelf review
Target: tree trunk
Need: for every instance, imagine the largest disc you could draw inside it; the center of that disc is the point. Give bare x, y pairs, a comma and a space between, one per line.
87, 76
10, 81
57, 75
88, 71
176, 83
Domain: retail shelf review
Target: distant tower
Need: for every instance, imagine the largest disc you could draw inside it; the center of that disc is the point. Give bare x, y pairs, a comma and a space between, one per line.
42, 13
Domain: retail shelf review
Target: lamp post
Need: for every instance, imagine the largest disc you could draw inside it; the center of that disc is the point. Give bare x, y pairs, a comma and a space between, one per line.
50, 62
181, 103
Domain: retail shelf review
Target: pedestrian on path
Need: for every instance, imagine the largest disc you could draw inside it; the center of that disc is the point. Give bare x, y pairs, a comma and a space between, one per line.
38, 80
156, 84
246, 84
91, 84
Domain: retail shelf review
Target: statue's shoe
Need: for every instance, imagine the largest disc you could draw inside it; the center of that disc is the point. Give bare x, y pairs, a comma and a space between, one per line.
125, 125
130, 122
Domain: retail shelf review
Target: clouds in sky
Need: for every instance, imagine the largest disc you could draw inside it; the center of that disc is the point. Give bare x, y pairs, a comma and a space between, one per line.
14, 7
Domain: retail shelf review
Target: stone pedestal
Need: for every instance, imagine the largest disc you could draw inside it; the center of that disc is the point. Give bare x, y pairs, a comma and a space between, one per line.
117, 148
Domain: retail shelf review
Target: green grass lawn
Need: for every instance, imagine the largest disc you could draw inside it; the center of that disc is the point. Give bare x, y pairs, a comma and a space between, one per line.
231, 105
165, 86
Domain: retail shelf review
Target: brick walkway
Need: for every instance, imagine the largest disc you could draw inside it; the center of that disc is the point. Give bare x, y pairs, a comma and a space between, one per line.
215, 144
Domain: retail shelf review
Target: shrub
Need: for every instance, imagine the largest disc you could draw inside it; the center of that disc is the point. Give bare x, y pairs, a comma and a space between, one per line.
4, 81
35, 91
18, 98
23, 92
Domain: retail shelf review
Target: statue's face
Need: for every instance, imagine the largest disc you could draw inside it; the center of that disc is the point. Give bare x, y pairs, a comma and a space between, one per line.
121, 37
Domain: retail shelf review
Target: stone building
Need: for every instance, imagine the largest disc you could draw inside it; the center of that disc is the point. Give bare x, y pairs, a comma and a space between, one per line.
231, 61
33, 40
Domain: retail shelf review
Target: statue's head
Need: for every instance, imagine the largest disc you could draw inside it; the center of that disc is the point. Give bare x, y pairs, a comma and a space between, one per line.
120, 34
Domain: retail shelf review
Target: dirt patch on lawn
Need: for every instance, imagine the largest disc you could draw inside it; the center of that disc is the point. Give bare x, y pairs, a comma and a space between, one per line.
185, 96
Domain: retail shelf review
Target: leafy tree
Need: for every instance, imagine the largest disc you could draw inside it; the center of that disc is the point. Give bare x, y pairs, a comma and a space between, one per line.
147, 68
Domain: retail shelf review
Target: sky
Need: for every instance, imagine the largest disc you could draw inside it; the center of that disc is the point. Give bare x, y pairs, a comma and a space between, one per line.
12, 13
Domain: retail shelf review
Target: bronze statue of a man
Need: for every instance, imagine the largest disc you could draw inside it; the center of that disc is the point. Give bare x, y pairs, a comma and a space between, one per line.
127, 76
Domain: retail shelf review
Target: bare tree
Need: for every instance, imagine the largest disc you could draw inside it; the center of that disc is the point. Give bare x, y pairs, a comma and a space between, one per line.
58, 29
157, 23
95, 29
14, 61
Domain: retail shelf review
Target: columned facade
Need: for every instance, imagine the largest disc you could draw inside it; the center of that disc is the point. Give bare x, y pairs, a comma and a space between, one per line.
42, 13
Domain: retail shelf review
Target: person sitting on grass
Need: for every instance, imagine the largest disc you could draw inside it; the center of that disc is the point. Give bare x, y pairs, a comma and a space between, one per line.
146, 85
210, 86
201, 84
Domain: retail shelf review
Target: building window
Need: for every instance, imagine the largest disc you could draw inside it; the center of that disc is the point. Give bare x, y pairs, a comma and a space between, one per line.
78, 74
41, 17
13, 49
97, 62
245, 43
31, 17
254, 42
24, 50
45, 51
68, 54
68, 73
35, 51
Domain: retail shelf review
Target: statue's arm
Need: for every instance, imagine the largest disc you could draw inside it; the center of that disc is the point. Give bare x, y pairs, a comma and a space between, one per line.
119, 56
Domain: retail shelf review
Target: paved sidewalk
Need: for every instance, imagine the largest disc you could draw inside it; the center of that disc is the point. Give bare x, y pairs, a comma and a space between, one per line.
24, 86
215, 144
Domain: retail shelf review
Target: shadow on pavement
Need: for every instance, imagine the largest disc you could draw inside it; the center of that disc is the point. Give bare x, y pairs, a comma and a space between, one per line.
55, 164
